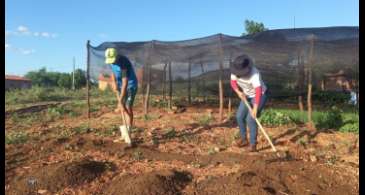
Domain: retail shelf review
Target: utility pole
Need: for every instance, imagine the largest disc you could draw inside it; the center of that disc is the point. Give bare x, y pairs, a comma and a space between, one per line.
73, 74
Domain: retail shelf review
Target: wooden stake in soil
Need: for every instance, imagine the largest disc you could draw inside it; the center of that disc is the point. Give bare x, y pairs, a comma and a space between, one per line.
309, 97
87, 80
164, 82
189, 82
170, 87
300, 83
220, 79
147, 97
230, 95
204, 90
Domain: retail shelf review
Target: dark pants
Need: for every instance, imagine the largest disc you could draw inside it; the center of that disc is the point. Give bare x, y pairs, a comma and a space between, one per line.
244, 117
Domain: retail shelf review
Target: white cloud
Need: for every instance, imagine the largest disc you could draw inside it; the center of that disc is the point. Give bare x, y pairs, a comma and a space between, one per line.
45, 34
19, 50
26, 51
23, 29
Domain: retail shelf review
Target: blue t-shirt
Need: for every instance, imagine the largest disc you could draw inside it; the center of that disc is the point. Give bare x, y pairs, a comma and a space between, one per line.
123, 63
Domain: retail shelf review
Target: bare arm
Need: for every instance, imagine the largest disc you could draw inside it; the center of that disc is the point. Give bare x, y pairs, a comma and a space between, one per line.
124, 86
237, 90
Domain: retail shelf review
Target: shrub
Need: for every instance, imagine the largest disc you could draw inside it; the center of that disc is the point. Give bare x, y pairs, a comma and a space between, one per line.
329, 120
275, 118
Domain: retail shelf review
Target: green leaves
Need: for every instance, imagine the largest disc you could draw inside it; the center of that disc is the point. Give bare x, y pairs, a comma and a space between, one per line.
275, 118
253, 27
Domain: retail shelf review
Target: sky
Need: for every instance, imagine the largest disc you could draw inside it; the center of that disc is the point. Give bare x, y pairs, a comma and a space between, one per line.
49, 33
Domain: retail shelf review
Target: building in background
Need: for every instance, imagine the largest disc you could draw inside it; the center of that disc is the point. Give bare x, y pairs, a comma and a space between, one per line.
104, 81
17, 82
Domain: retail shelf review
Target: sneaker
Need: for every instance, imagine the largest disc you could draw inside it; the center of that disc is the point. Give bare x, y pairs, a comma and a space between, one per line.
253, 148
122, 131
127, 137
240, 143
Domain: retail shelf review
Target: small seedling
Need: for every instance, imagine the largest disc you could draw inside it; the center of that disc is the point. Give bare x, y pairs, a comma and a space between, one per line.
196, 164
137, 155
137, 130
205, 120
170, 133
332, 160
302, 142
16, 138
212, 151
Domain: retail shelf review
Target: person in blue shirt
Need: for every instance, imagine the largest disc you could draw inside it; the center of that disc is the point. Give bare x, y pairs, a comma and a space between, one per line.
126, 85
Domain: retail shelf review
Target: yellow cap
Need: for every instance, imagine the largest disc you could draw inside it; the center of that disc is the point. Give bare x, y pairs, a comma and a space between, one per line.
110, 55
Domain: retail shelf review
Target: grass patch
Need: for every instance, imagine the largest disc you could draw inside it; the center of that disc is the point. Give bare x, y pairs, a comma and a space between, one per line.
205, 120
16, 137
108, 132
170, 133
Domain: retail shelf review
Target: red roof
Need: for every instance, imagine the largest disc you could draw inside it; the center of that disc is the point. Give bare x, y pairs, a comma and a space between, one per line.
102, 78
18, 78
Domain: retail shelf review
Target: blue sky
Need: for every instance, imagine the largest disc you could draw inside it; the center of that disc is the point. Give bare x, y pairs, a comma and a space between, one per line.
48, 33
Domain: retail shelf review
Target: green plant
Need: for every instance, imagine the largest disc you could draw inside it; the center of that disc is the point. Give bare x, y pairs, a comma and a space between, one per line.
159, 103
272, 117
196, 164
302, 141
350, 127
80, 129
138, 155
329, 120
170, 133
211, 151
16, 137
64, 134
205, 120
148, 117
332, 160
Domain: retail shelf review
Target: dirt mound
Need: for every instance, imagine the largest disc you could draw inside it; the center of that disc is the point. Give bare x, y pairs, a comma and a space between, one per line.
156, 182
278, 178
56, 177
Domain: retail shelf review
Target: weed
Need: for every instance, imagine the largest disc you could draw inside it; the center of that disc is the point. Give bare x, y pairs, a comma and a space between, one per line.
80, 129
138, 155
205, 120
170, 133
302, 141
211, 151
332, 160
196, 164
330, 120
16, 137
137, 130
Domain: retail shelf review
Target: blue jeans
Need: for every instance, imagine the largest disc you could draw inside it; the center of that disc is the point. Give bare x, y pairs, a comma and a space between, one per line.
244, 117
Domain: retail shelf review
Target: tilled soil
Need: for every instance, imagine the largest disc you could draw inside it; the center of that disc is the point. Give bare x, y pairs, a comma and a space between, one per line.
174, 154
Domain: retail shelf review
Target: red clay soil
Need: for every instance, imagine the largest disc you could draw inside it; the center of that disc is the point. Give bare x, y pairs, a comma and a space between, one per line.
177, 154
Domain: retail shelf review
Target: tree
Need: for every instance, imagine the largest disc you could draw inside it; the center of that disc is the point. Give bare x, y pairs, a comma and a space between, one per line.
253, 27
80, 78
64, 80
43, 78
